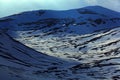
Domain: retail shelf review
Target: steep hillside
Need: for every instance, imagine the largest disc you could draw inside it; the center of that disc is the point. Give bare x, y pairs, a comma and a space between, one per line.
18, 62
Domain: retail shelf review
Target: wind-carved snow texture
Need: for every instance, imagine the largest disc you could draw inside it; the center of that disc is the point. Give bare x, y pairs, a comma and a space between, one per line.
82, 44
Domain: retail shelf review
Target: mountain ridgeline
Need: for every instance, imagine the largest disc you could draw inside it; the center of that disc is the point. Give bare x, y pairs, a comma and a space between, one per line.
76, 21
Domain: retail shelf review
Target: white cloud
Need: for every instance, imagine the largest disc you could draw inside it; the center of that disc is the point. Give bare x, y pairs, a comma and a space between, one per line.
112, 4
91, 2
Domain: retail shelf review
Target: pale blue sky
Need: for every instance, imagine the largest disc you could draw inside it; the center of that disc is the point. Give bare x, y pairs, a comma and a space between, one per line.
8, 7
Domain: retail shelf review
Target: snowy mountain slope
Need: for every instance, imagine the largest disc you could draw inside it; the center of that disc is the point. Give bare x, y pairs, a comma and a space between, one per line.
19, 62
64, 33
76, 21
77, 47
20, 54
90, 36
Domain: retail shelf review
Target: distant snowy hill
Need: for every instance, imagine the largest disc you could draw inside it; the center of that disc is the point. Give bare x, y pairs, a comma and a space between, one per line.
76, 21
88, 39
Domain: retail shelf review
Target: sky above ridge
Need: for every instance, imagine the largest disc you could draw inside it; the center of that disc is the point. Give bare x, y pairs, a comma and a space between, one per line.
9, 7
